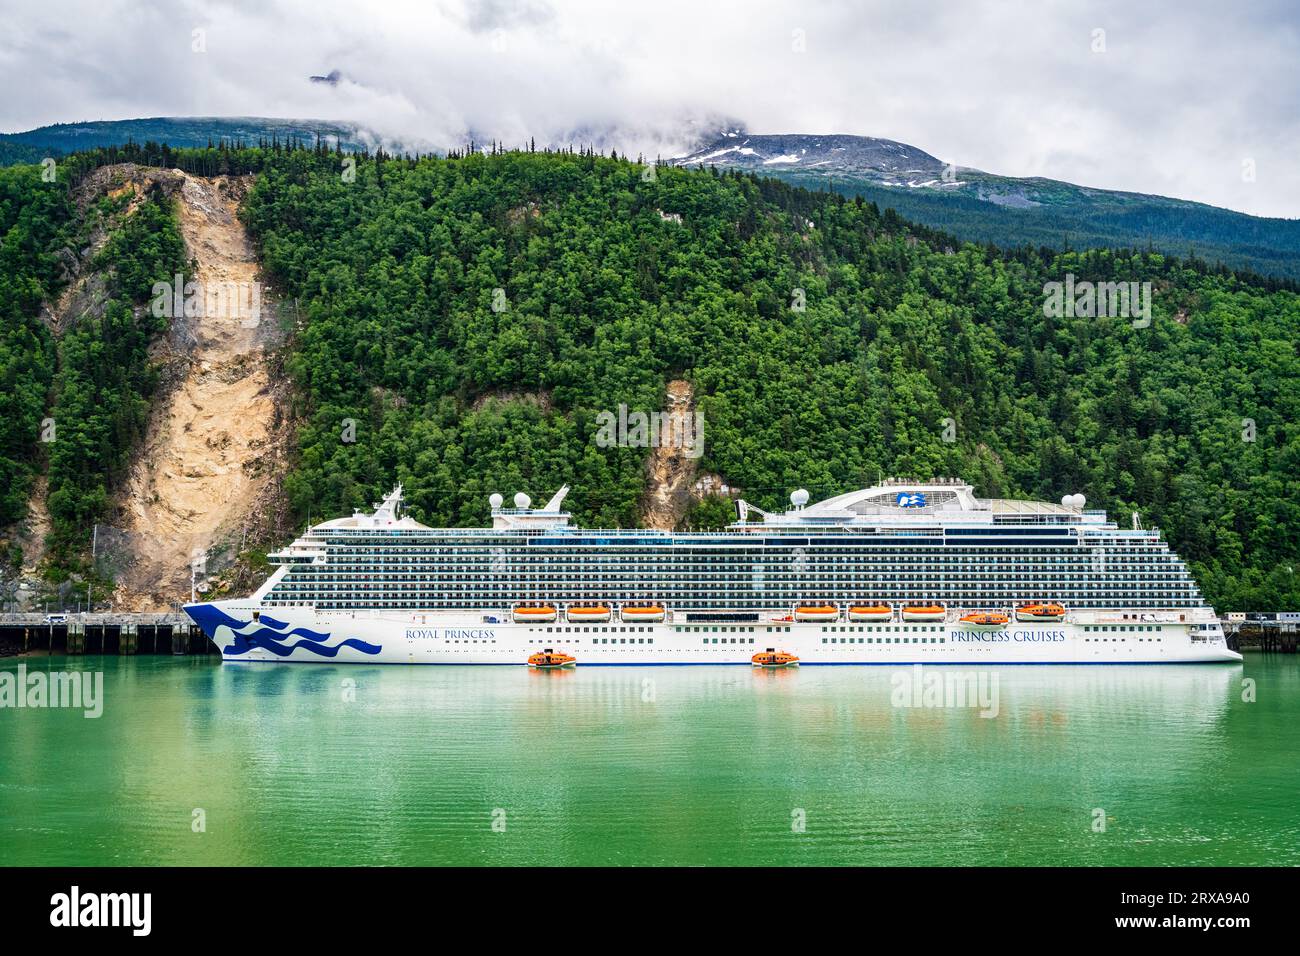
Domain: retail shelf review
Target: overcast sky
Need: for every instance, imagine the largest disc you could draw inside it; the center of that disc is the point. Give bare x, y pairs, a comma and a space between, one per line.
1176, 98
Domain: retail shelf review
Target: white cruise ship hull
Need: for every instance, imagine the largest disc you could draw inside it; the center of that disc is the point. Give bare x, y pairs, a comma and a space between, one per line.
244, 630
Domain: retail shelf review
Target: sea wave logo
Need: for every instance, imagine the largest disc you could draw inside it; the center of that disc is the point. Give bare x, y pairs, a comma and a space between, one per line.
913, 500
268, 634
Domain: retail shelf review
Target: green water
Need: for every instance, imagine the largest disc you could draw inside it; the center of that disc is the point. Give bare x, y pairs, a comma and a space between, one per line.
292, 764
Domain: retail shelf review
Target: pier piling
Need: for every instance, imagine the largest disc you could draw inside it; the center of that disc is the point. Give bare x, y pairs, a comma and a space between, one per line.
128, 633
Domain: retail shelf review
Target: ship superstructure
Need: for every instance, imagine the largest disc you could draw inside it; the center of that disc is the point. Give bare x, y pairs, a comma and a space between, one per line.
901, 571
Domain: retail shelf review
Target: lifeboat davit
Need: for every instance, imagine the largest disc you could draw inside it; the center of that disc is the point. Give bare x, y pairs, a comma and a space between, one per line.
985, 621
816, 612
1040, 612
870, 612
924, 612
588, 612
642, 612
551, 660
772, 659
534, 614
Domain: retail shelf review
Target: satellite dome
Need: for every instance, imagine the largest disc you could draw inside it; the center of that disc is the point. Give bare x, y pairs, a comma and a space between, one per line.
495, 501
522, 501
1080, 501
799, 497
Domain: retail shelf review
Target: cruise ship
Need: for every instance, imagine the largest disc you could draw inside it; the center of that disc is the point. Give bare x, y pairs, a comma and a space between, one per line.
902, 572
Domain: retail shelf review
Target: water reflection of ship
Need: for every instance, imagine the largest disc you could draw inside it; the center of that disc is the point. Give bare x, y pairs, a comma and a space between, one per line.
1069, 698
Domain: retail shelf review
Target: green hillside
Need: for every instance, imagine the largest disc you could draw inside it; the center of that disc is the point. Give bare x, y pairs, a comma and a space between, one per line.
464, 320
75, 405
1063, 216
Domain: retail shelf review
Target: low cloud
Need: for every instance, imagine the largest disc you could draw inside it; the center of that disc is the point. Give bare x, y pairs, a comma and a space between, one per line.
1176, 100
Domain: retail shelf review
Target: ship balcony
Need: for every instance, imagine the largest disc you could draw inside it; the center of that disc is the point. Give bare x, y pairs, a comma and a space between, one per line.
293, 557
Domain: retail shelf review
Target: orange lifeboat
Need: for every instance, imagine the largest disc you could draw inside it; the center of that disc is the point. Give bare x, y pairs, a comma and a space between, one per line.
642, 612
985, 621
870, 612
1040, 612
772, 659
587, 612
534, 614
551, 660
924, 612
816, 612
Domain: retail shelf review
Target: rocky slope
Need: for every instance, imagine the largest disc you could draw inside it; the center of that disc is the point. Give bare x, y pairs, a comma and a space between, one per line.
211, 451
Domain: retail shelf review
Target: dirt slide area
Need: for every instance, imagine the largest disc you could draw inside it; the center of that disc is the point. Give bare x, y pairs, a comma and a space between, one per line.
211, 448
670, 470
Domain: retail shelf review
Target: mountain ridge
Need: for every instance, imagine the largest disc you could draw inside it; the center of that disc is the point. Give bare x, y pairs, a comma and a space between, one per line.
1007, 211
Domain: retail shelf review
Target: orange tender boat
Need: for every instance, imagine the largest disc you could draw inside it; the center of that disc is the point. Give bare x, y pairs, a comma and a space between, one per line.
550, 660
816, 612
1040, 612
924, 612
534, 613
870, 612
772, 659
985, 621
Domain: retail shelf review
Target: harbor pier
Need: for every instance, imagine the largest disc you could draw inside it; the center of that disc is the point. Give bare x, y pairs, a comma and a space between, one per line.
171, 633
1273, 632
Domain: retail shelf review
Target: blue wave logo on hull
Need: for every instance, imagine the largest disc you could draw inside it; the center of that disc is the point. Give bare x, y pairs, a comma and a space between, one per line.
210, 618
247, 642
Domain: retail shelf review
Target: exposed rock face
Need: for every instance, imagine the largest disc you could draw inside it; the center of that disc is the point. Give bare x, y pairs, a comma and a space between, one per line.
670, 470
206, 477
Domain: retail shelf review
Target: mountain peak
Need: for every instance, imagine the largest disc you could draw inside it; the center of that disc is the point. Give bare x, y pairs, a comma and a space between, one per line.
885, 159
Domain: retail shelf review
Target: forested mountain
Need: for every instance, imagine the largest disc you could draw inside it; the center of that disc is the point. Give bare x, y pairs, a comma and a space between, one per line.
462, 321
180, 132
973, 205
74, 398
984, 207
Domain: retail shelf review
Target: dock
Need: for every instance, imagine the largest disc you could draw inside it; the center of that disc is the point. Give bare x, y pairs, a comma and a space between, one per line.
170, 633
1268, 632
